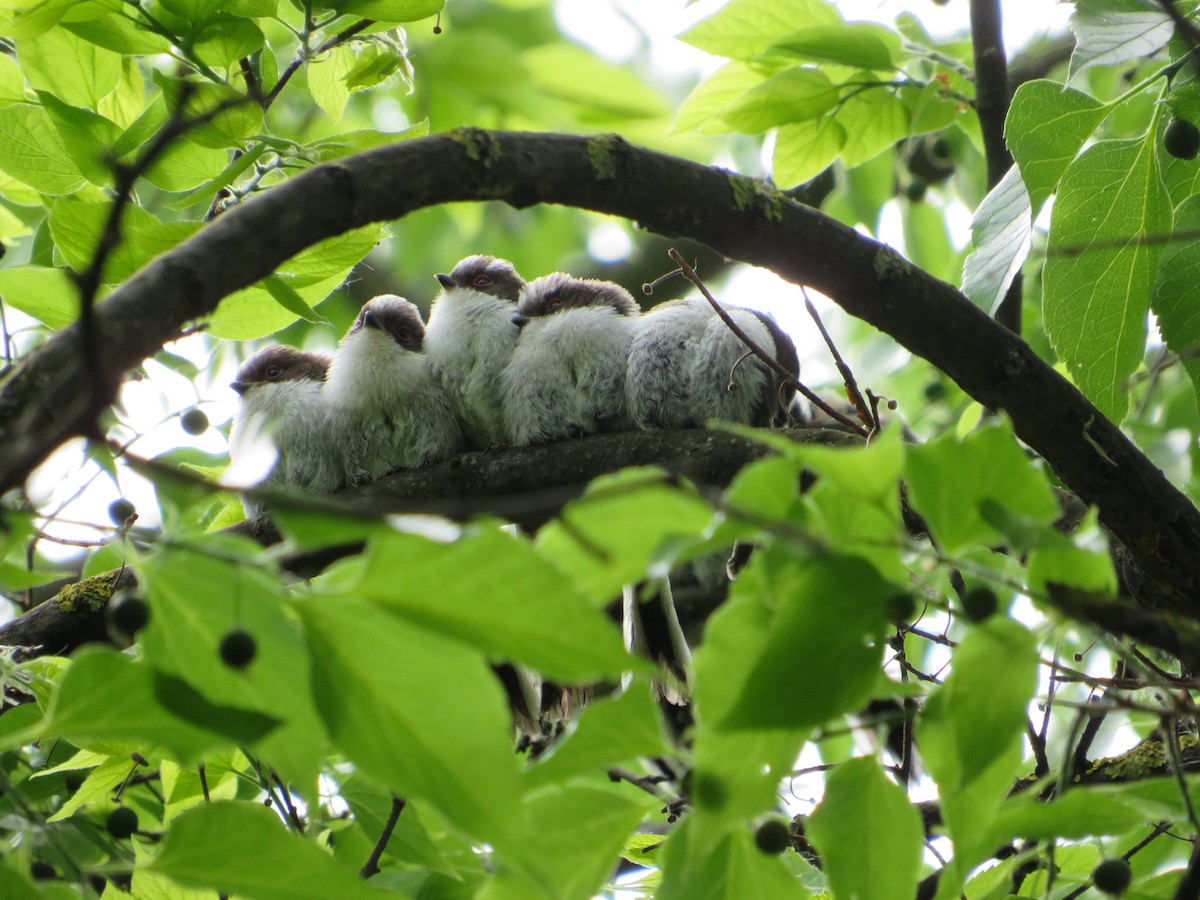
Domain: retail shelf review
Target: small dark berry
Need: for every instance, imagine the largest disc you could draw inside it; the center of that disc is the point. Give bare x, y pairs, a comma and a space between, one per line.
708, 791
127, 613
238, 648
1182, 139
437, 29
772, 837
1112, 876
194, 421
979, 603
916, 191
901, 607
41, 870
122, 822
120, 510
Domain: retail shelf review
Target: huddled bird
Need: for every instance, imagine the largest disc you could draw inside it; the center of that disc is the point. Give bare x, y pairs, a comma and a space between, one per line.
566, 375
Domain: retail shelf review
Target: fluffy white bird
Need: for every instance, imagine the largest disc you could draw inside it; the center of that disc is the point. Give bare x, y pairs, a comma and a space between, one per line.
729, 382
566, 376
385, 408
279, 435
470, 338
658, 381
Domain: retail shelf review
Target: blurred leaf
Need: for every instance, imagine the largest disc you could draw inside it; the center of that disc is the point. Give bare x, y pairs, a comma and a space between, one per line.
204, 847
31, 151
416, 711
223, 40
327, 80
1175, 281
601, 91
742, 29
386, 10
624, 522
1109, 200
76, 72
46, 294
701, 110
860, 45
491, 590
948, 482
730, 868
794, 95
106, 702
869, 836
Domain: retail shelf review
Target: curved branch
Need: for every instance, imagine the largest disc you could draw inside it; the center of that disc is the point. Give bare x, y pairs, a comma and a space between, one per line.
42, 403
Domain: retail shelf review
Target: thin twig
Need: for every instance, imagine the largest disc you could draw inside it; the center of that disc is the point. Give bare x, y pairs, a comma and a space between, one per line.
338, 39
371, 866
204, 783
852, 391
690, 274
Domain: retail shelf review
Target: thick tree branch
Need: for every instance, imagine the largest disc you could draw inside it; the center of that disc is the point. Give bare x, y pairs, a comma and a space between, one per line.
42, 403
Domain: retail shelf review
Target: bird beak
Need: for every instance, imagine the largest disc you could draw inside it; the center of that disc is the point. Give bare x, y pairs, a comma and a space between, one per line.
370, 320
444, 280
520, 321
239, 387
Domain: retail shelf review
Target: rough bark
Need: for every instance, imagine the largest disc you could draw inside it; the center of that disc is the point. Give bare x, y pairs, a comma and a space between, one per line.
42, 404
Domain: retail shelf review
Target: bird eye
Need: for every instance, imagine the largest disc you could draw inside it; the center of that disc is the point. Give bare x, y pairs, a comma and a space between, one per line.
404, 334
274, 371
553, 302
482, 281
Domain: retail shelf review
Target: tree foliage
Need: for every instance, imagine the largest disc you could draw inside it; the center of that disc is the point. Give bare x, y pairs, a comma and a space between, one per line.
960, 658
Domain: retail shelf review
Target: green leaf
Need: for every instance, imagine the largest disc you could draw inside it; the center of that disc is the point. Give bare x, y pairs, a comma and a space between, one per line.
106, 703
949, 481
18, 578
742, 29
1175, 282
35, 19
14, 886
978, 713
804, 151
12, 82
86, 136
927, 238
573, 861
194, 10
1058, 560
1046, 127
77, 225
327, 80
46, 294
1109, 32
608, 732
700, 111
120, 34
415, 710
601, 91
624, 522
75, 71
185, 165
285, 295
804, 641
223, 40
794, 95
493, 591
31, 151
183, 638
1099, 270
1001, 236
97, 787
729, 869
860, 45
387, 10
874, 121
373, 65
253, 313
869, 836
239, 847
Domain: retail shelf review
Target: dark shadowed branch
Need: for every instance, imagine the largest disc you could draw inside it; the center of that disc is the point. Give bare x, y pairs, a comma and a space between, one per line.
42, 404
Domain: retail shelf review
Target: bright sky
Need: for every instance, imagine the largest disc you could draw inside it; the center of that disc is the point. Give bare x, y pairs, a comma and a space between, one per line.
611, 28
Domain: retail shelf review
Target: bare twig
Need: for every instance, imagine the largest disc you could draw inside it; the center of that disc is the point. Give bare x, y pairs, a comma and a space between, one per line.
371, 866
294, 66
852, 391
690, 274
